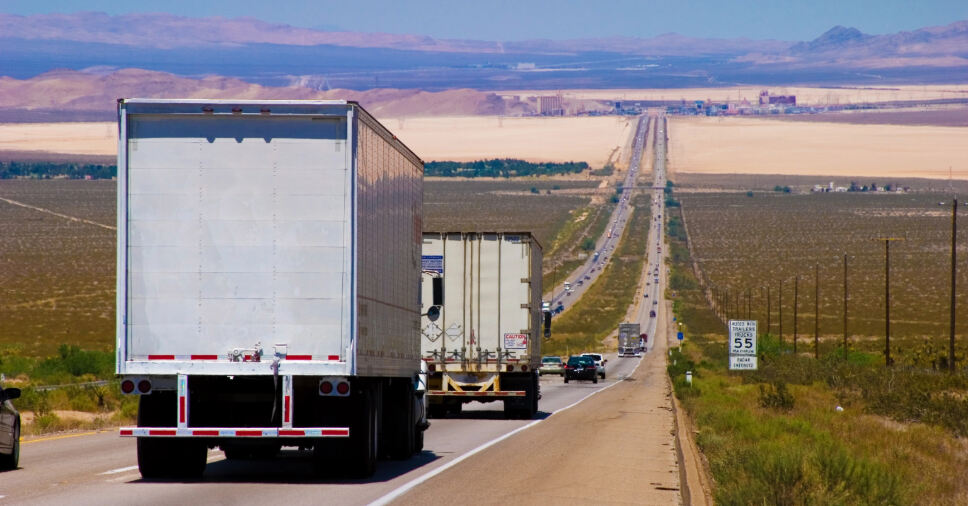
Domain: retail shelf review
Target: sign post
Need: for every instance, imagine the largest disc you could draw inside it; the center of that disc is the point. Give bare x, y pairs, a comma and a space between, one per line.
742, 345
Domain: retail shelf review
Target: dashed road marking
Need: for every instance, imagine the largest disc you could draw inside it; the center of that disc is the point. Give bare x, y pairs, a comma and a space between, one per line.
120, 470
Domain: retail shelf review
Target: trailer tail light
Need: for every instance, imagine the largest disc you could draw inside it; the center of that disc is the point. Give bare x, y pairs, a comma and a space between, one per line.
127, 386
524, 368
343, 388
432, 367
338, 387
510, 368
144, 387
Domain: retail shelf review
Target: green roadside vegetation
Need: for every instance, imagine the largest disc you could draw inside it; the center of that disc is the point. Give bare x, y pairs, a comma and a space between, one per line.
604, 305
47, 170
67, 372
501, 167
586, 225
775, 435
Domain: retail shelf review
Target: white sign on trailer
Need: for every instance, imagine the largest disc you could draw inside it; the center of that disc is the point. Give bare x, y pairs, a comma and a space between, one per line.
742, 345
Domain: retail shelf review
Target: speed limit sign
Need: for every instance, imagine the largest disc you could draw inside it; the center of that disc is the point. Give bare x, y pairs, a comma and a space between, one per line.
742, 337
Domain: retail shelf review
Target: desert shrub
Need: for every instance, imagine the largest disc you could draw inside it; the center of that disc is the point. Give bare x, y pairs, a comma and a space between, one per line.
776, 396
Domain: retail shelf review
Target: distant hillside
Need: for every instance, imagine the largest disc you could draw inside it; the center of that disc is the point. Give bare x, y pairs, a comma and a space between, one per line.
71, 95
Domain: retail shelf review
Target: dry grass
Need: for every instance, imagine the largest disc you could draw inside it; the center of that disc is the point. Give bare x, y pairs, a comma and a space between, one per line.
756, 146
57, 275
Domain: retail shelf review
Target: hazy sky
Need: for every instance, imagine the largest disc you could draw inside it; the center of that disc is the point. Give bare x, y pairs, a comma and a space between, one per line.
552, 19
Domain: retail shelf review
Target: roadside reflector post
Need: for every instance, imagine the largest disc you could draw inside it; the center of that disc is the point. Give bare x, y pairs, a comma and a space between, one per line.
689, 378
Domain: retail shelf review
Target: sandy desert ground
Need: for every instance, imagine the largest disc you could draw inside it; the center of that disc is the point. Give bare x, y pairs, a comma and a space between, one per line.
74, 138
805, 95
757, 146
587, 139
465, 138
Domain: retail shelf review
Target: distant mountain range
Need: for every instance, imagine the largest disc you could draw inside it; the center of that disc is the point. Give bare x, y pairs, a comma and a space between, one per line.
165, 31
73, 66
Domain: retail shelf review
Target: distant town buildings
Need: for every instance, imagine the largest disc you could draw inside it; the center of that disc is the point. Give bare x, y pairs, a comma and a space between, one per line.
550, 106
855, 187
767, 99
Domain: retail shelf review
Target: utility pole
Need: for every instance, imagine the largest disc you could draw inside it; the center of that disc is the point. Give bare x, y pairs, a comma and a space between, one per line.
768, 327
816, 315
887, 297
954, 243
845, 306
749, 315
780, 306
796, 303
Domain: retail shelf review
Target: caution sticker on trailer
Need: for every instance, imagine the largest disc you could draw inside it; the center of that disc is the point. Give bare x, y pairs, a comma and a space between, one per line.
515, 341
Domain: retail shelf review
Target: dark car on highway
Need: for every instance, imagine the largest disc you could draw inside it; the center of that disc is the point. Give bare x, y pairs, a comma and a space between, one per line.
581, 368
9, 429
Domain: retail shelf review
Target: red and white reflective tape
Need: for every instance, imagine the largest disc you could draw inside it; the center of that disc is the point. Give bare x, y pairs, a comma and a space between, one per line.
246, 358
503, 393
256, 432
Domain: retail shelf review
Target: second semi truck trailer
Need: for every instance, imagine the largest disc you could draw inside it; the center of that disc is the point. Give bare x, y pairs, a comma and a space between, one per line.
482, 322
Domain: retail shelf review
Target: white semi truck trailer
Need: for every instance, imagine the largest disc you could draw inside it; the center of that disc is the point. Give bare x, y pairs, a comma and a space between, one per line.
268, 273
482, 320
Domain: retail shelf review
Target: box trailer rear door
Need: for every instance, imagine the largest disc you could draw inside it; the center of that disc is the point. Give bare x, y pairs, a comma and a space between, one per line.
238, 231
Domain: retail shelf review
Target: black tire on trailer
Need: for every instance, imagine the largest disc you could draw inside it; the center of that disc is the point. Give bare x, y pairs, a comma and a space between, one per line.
566, 379
537, 391
164, 457
171, 459
398, 419
418, 440
436, 410
11, 461
355, 456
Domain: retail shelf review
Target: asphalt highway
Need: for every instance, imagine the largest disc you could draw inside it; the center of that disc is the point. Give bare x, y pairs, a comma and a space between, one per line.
592, 268
101, 468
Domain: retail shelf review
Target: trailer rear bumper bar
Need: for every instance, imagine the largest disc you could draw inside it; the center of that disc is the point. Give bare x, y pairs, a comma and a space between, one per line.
236, 432
488, 393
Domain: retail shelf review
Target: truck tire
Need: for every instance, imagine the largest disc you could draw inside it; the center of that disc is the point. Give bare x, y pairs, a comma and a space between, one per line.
522, 409
436, 411
166, 458
162, 458
355, 456
418, 440
398, 420
595, 379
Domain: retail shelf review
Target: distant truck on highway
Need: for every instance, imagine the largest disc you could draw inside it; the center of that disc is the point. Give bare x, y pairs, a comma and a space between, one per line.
267, 284
482, 321
628, 340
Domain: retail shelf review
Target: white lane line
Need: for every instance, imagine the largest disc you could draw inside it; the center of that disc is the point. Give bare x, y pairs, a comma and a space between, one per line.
119, 470
406, 487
